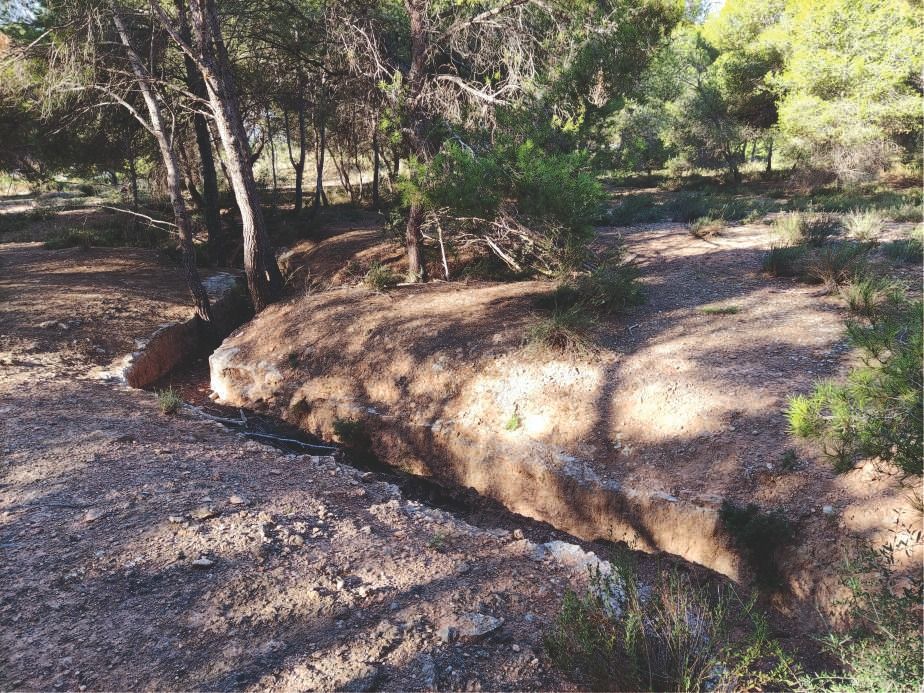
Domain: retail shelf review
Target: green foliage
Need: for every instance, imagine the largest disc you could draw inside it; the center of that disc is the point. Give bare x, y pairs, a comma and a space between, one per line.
380, 277
786, 260
760, 536
677, 638
884, 648
867, 295
813, 229
563, 329
863, 225
848, 99
836, 264
513, 423
351, 432
169, 400
549, 199
905, 249
877, 411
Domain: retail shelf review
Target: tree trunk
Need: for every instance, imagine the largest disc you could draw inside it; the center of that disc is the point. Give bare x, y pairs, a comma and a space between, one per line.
211, 210
264, 280
165, 144
319, 196
269, 134
298, 164
416, 269
416, 10
769, 155
375, 170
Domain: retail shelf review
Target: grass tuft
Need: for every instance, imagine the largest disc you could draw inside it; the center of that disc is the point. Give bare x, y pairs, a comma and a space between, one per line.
169, 400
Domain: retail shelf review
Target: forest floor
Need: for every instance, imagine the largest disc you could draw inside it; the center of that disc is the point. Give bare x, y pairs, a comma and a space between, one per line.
155, 552
147, 551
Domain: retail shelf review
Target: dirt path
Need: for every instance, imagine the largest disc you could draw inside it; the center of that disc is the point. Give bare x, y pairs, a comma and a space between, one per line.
140, 551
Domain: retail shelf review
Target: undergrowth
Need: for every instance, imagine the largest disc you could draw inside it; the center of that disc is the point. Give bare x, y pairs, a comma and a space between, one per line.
169, 400
877, 410
677, 636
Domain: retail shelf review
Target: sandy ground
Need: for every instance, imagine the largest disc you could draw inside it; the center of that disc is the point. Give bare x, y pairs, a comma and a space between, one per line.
147, 552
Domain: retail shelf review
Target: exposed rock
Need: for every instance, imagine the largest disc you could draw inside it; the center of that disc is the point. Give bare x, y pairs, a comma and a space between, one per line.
469, 627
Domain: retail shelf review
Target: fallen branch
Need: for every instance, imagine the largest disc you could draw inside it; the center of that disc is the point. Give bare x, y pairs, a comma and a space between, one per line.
150, 220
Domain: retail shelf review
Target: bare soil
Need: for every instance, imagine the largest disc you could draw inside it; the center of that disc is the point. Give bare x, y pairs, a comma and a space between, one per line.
677, 403
142, 551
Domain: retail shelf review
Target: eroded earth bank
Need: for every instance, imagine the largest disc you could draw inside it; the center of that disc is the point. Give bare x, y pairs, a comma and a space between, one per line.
639, 440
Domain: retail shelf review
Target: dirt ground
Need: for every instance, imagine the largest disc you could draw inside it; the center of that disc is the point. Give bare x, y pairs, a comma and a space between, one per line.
142, 551
678, 403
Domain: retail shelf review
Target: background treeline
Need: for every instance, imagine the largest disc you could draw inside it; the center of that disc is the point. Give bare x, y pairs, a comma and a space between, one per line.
482, 124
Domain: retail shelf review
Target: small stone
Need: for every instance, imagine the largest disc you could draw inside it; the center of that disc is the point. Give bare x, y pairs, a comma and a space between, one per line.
472, 627
176, 519
446, 634
515, 647
203, 512
518, 534
237, 500
203, 563
828, 510
93, 514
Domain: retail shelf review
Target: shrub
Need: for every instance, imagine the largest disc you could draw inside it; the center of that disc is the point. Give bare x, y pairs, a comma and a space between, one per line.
905, 212
610, 287
863, 225
565, 329
786, 261
677, 638
905, 249
760, 536
86, 189
380, 277
169, 400
836, 264
705, 227
877, 411
513, 423
866, 295
813, 229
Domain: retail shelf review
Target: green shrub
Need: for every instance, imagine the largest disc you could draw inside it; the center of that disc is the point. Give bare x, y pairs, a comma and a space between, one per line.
813, 229
112, 237
905, 249
86, 189
866, 295
906, 212
169, 400
677, 638
610, 287
760, 536
877, 411
863, 225
380, 277
513, 423
705, 227
883, 649
565, 329
786, 261
836, 264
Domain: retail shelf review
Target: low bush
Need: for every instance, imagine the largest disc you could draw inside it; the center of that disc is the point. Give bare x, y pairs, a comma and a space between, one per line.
905, 212
812, 229
786, 260
760, 536
720, 310
112, 237
836, 264
169, 400
863, 225
564, 329
380, 277
634, 209
705, 227
619, 637
906, 249
866, 295
877, 411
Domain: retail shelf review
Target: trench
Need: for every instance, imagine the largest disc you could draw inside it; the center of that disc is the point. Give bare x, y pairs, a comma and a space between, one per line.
191, 381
